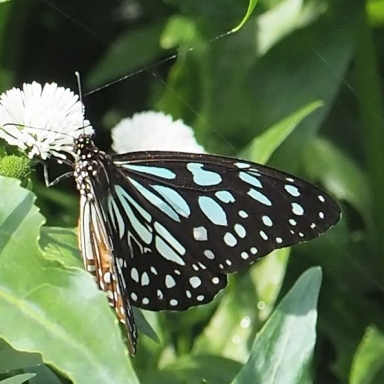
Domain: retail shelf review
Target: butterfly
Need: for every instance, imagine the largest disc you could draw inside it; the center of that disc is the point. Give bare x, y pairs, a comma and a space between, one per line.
161, 230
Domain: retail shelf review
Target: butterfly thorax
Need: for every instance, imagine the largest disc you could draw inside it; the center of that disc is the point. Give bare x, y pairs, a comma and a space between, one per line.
87, 164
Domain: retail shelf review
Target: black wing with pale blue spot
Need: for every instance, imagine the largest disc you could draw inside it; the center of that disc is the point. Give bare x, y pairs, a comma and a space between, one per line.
194, 218
178, 223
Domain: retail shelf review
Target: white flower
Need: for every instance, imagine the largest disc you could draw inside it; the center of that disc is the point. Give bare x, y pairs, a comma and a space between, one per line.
153, 131
43, 121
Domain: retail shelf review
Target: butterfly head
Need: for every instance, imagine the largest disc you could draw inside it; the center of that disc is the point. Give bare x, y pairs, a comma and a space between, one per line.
84, 147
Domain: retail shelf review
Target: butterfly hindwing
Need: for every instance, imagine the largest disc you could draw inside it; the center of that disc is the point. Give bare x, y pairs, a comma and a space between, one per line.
98, 258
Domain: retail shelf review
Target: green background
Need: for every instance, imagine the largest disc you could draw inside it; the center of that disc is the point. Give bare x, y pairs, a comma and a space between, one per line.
300, 86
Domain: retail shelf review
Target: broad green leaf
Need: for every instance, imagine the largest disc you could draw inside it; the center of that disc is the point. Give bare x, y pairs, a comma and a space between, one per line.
241, 98
234, 321
263, 146
369, 358
194, 369
51, 310
10, 359
61, 244
44, 375
307, 65
283, 349
284, 18
247, 302
18, 379
267, 276
251, 7
339, 174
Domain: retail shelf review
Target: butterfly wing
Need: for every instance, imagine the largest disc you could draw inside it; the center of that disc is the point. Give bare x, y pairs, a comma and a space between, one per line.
180, 222
98, 258
156, 277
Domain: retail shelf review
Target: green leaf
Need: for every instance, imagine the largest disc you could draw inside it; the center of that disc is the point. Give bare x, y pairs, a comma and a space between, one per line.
267, 276
18, 379
144, 325
51, 310
239, 99
44, 375
194, 369
283, 349
61, 244
263, 146
339, 174
247, 302
233, 323
368, 360
10, 359
251, 7
284, 18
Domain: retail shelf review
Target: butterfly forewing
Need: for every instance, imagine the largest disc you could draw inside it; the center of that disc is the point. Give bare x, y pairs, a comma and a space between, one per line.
159, 271
226, 212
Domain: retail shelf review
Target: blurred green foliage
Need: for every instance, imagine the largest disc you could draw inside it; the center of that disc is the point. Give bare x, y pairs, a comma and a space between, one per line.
300, 86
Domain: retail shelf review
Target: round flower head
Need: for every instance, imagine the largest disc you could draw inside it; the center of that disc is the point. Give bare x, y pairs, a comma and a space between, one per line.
153, 131
42, 121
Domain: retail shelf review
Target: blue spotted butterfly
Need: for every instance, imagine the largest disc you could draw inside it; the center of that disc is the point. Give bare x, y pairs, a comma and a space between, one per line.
161, 230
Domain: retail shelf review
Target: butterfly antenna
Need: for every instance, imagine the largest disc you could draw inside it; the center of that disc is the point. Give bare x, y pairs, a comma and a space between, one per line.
77, 74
